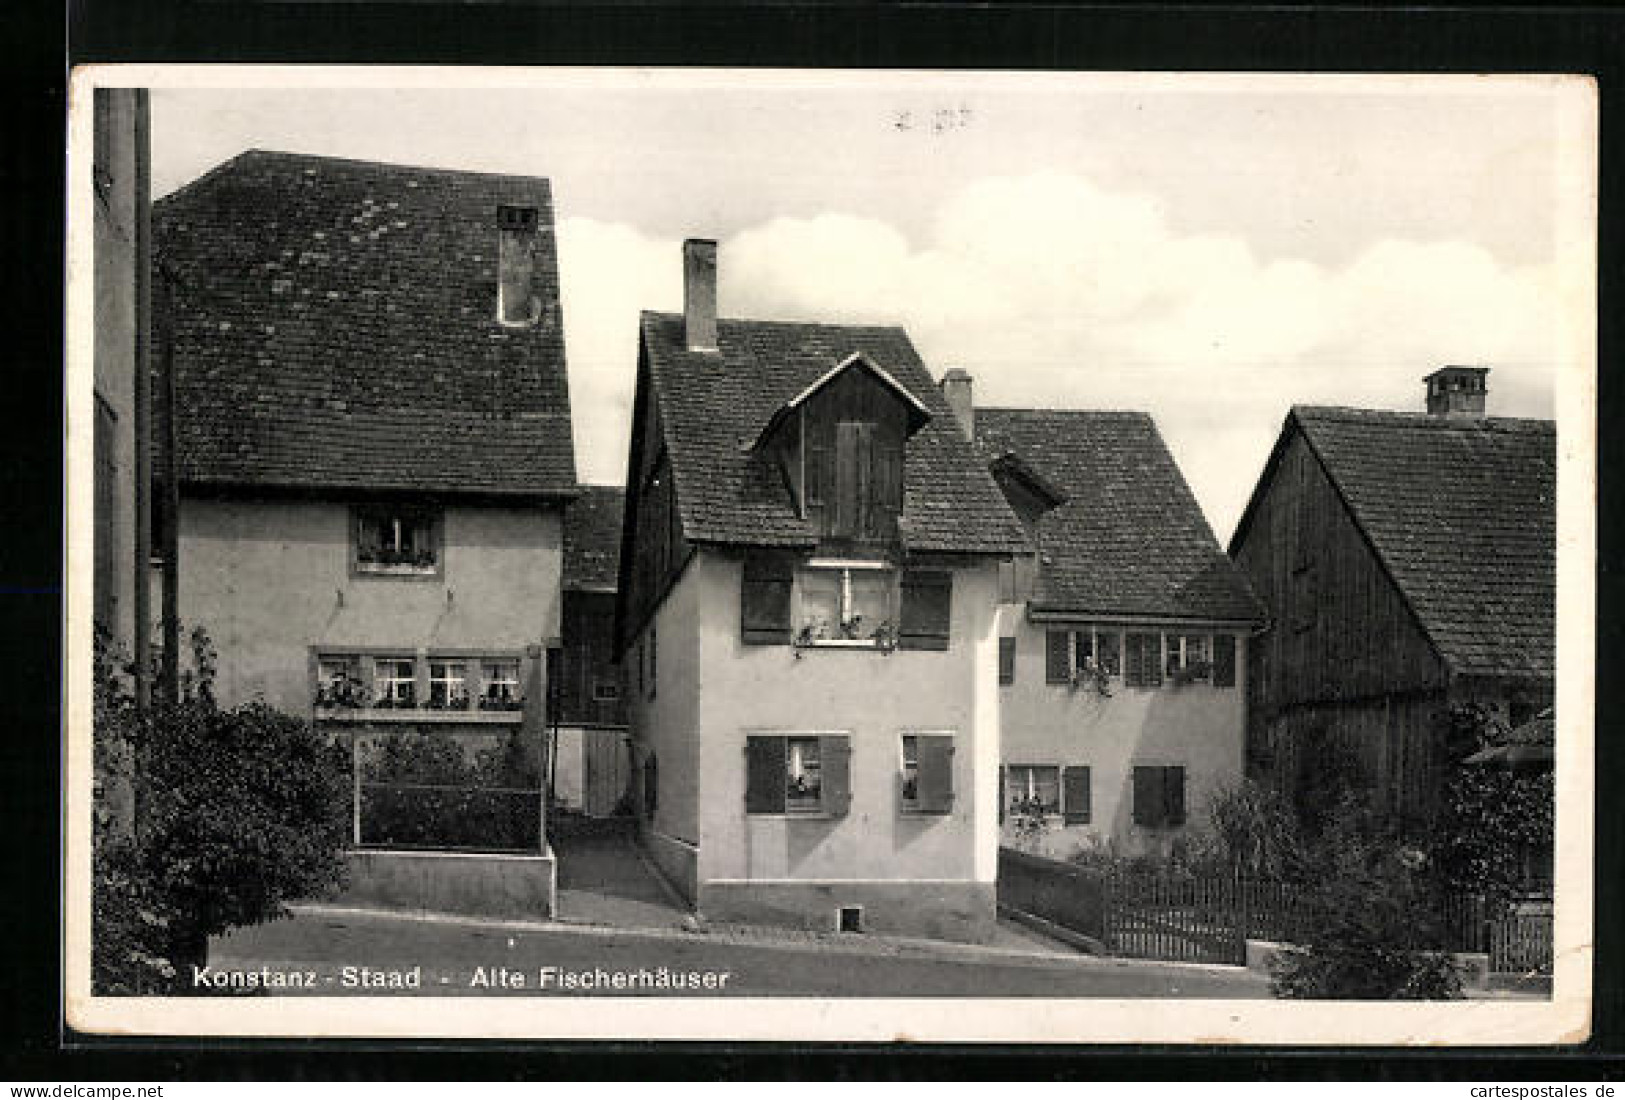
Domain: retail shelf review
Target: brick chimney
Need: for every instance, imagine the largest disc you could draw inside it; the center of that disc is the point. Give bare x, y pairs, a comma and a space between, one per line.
516, 265
700, 295
957, 388
1457, 391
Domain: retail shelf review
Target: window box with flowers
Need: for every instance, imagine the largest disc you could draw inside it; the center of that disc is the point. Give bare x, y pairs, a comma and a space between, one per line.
396, 541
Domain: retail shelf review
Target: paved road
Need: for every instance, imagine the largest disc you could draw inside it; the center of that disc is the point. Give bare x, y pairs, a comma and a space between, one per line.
465, 957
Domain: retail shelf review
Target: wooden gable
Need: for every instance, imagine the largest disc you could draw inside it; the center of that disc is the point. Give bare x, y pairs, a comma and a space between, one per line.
1339, 628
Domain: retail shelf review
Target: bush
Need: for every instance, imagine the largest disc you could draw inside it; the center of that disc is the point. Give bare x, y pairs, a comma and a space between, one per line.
1252, 834
232, 814
1374, 923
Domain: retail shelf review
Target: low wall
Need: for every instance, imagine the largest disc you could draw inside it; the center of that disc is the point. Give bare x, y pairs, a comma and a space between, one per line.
678, 860
961, 911
1061, 893
467, 884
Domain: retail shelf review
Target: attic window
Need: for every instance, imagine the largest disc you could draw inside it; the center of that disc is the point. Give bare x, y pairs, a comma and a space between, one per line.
396, 541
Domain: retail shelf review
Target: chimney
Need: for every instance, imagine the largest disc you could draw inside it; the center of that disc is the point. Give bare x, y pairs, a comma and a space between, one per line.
1457, 391
700, 295
956, 387
516, 265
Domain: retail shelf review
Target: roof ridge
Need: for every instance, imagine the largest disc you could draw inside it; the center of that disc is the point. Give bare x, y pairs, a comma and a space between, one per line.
1418, 419
1138, 414
677, 315
356, 162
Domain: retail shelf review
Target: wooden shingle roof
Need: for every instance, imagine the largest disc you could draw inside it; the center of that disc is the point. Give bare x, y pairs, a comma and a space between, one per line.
1130, 538
1462, 514
714, 405
592, 538
335, 328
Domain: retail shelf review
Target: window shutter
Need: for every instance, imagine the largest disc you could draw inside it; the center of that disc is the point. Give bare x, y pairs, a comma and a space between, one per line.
1007, 660
1148, 796
936, 773
764, 600
1057, 661
1173, 785
867, 508
1003, 791
1133, 674
1171, 650
846, 518
764, 775
1224, 660
887, 488
1075, 795
927, 610
834, 761
1150, 646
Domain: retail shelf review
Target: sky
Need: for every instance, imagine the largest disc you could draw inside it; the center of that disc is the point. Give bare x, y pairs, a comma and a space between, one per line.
1211, 250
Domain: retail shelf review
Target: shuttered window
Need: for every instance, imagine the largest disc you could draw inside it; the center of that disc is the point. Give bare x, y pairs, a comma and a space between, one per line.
927, 610
854, 480
765, 600
798, 775
1224, 660
835, 759
928, 773
1108, 651
1159, 796
764, 774
1142, 660
1058, 657
1007, 660
1075, 795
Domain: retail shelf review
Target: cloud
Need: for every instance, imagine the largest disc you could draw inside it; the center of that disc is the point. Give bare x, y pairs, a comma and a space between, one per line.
1054, 291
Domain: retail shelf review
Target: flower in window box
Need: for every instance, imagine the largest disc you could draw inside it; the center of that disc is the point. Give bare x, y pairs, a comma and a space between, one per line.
1190, 673
1090, 672
885, 637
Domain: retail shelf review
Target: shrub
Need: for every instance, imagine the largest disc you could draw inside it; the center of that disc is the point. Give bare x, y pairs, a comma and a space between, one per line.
233, 812
1252, 833
1374, 923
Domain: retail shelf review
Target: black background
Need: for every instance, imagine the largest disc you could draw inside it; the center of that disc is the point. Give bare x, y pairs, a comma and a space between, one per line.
43, 40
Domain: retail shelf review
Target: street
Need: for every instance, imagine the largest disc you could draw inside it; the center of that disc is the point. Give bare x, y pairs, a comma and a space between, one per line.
337, 952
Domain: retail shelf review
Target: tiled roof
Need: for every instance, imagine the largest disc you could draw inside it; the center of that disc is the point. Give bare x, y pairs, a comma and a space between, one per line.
1130, 538
1462, 513
713, 406
592, 537
335, 327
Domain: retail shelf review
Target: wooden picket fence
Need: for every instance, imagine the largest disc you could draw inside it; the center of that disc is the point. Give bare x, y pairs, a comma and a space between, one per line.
1210, 919
1187, 919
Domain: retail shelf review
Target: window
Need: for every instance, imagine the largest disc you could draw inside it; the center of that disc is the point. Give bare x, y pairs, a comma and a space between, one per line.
605, 691
801, 774
1069, 652
501, 680
396, 541
654, 655
1159, 796
1142, 660
844, 604
448, 685
394, 682
928, 773
1007, 660
338, 682
1187, 656
1032, 788
1224, 660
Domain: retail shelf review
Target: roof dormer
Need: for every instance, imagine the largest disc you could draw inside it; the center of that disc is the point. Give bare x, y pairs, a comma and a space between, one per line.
839, 445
